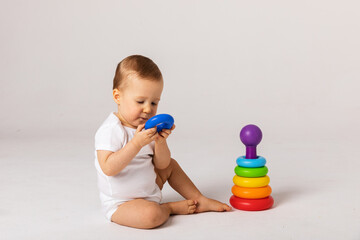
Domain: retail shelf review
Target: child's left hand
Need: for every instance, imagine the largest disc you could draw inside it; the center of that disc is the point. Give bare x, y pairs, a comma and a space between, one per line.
164, 134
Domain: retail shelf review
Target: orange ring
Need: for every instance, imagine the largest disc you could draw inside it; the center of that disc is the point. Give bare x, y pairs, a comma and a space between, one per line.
251, 193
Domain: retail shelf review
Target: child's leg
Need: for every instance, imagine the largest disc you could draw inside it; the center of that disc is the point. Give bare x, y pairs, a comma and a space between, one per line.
140, 213
181, 183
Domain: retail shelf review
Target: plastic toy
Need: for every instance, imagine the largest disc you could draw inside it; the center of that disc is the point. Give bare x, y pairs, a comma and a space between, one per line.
251, 182
251, 204
161, 121
251, 191
251, 172
251, 136
250, 163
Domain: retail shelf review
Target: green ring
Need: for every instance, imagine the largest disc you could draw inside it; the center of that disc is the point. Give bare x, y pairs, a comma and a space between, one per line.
251, 172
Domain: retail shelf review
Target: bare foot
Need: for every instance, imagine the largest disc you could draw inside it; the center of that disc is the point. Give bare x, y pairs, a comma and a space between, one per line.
182, 207
206, 205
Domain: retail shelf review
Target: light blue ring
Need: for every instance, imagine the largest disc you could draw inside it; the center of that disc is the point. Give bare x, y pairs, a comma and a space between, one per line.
250, 163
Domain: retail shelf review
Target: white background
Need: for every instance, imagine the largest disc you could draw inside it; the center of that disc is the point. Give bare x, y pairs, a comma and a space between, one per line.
291, 67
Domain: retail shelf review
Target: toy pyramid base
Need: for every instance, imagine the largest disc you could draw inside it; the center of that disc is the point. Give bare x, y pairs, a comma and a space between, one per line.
251, 204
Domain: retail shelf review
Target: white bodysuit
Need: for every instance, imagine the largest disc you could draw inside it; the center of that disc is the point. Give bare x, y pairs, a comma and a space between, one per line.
136, 180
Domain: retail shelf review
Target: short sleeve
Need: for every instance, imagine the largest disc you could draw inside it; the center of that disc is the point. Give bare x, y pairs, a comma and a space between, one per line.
110, 138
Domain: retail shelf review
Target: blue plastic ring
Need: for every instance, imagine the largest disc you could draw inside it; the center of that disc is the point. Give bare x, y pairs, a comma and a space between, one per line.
161, 121
251, 163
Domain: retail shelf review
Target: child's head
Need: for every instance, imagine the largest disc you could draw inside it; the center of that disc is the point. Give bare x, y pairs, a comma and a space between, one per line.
137, 88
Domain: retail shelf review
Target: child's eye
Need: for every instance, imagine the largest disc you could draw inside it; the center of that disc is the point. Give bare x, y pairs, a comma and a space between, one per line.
140, 102
154, 104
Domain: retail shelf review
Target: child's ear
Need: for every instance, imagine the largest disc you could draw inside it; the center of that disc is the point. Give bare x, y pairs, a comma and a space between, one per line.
116, 95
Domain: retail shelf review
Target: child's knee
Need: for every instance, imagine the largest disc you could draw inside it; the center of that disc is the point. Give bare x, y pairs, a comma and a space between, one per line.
173, 162
164, 174
154, 216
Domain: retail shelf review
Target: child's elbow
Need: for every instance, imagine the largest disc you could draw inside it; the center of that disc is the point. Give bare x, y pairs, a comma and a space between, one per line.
109, 172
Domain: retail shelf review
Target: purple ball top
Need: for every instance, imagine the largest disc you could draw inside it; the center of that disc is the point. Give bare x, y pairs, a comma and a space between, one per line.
250, 135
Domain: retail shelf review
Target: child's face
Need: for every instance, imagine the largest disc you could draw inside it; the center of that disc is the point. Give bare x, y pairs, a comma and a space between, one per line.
138, 101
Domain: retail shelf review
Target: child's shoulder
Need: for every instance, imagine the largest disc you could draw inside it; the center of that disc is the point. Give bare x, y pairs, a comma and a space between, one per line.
111, 123
110, 135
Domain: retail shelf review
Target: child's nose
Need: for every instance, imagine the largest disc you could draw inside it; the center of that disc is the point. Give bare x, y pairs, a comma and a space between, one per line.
147, 109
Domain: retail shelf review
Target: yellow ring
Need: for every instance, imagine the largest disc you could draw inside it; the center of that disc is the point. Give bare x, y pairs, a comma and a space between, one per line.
251, 182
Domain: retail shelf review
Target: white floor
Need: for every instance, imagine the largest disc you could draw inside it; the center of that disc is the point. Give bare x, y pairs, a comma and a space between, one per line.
48, 191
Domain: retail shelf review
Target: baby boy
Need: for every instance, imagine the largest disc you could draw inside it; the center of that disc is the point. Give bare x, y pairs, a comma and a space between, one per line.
132, 163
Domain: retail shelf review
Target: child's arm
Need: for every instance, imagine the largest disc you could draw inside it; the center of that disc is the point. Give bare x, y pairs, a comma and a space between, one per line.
112, 163
162, 155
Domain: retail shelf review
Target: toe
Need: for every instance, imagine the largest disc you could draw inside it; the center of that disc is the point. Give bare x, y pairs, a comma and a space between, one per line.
191, 202
192, 209
224, 207
227, 208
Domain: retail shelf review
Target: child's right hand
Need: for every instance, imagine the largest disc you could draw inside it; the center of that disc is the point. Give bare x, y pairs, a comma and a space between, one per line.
143, 138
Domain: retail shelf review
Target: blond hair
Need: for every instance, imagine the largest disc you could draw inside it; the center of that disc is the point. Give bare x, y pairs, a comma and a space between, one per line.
136, 64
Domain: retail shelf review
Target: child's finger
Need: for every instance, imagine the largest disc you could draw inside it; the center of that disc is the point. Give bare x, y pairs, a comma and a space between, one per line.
167, 131
173, 127
163, 134
154, 136
151, 131
140, 128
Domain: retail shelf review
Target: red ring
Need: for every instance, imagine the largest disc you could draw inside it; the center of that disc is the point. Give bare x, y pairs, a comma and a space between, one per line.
251, 204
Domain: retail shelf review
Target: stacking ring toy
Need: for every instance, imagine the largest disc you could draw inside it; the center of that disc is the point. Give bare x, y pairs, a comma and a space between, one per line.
251, 204
251, 182
251, 172
251, 163
161, 121
251, 193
